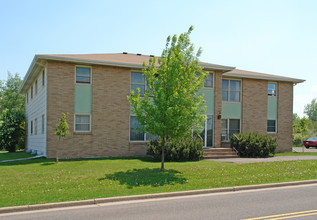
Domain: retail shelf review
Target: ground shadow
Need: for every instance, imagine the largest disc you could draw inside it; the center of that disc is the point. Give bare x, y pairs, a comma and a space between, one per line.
146, 177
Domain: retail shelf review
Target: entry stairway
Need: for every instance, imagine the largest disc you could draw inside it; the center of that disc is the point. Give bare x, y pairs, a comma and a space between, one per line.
218, 153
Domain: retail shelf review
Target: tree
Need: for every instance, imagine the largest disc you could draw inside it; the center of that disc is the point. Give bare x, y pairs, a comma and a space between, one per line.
171, 107
12, 119
12, 129
61, 130
311, 110
10, 98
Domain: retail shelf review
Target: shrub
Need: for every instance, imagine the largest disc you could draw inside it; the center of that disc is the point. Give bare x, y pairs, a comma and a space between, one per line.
12, 130
254, 144
177, 149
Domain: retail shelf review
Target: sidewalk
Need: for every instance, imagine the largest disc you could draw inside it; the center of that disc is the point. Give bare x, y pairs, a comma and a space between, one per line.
259, 160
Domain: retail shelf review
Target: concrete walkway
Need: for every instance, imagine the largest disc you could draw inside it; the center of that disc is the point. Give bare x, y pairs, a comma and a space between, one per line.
269, 159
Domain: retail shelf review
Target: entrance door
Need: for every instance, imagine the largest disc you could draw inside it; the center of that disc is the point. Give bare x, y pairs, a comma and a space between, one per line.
208, 132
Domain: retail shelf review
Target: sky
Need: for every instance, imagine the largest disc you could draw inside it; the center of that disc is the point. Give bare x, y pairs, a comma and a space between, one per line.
276, 37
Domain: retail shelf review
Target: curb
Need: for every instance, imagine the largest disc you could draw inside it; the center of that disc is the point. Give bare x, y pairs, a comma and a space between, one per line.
149, 196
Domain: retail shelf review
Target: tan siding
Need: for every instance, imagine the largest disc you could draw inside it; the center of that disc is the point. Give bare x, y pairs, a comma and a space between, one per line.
218, 108
254, 105
285, 116
109, 134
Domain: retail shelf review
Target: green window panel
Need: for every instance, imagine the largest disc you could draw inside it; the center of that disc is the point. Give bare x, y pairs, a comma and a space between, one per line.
272, 107
83, 94
231, 110
208, 95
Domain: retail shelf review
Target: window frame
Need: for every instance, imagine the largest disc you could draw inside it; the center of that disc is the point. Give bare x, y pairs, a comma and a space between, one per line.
228, 126
31, 129
83, 114
27, 98
144, 135
145, 86
90, 77
43, 124
31, 92
275, 83
35, 87
35, 126
43, 78
212, 83
240, 96
267, 126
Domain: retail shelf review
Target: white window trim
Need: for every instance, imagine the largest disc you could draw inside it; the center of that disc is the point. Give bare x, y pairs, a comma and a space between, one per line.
269, 132
228, 119
90, 120
275, 90
229, 79
82, 66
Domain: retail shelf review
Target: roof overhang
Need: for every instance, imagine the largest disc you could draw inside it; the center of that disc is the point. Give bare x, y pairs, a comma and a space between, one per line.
264, 77
39, 62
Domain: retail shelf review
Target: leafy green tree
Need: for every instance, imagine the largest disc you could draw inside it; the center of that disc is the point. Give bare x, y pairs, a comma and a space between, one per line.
12, 129
10, 98
171, 107
12, 119
311, 110
61, 130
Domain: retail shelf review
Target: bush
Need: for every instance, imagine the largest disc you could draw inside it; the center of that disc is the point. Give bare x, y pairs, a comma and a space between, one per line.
177, 149
254, 144
12, 130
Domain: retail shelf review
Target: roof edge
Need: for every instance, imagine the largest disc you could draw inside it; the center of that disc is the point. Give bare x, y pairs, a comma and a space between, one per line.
263, 77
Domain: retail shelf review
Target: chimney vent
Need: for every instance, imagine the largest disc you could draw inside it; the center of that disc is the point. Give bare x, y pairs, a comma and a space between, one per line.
125, 52
138, 54
151, 55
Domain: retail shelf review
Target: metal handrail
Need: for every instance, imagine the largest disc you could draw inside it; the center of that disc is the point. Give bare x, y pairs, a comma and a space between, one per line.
233, 146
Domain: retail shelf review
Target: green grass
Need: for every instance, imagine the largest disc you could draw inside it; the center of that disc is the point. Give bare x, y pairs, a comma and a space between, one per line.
43, 181
5, 155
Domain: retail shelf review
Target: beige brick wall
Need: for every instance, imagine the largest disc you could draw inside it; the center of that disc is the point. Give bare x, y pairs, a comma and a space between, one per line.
218, 107
285, 116
110, 113
254, 105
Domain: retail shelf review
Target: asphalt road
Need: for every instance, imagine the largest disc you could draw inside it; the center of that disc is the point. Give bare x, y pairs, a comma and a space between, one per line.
296, 202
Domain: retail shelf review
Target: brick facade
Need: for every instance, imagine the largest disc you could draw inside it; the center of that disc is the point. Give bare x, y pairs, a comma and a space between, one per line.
110, 116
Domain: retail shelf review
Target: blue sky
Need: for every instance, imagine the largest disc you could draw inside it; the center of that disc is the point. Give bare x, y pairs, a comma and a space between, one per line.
276, 37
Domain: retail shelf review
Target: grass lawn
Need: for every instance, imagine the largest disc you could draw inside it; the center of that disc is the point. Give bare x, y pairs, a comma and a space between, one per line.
296, 154
42, 180
5, 155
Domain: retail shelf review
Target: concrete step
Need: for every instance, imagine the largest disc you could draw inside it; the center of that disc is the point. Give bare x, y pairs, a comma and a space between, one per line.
217, 153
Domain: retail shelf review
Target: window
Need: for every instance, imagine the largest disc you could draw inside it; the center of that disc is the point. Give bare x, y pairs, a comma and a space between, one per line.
271, 126
43, 124
43, 78
229, 127
35, 87
31, 128
82, 123
83, 75
27, 97
138, 81
32, 92
231, 90
209, 81
136, 134
271, 89
35, 126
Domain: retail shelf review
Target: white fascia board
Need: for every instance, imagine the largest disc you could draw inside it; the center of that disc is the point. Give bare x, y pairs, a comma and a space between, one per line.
270, 78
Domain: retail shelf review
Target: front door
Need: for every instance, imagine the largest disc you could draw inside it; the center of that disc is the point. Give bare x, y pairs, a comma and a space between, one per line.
208, 132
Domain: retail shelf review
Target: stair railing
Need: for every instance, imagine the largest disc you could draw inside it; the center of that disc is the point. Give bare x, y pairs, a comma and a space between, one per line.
233, 146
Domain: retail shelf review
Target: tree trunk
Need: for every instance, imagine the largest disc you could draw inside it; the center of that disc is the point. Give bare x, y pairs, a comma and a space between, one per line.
163, 154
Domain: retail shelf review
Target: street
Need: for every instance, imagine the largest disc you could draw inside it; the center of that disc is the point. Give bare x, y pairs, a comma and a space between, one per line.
296, 202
